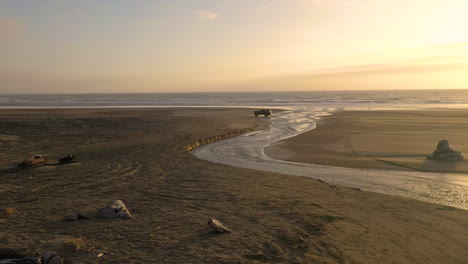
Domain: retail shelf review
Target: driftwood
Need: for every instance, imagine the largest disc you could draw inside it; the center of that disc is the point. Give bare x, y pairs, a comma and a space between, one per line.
67, 159
48, 258
116, 209
218, 227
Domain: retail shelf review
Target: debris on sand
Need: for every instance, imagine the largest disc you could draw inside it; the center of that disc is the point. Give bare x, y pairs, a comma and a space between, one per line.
67, 159
34, 161
218, 227
443, 152
116, 209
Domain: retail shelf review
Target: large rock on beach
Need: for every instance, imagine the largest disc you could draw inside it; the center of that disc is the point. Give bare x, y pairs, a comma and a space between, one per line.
443, 152
115, 209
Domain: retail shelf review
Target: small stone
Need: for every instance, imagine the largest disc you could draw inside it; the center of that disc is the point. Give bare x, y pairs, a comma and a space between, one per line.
116, 209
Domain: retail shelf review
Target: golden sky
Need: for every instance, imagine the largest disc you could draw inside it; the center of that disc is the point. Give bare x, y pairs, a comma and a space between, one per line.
50, 46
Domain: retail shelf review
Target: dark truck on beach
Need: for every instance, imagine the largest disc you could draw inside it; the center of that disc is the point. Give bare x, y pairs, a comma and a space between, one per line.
264, 112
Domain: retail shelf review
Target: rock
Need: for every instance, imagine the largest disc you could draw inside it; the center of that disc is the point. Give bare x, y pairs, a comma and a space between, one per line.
51, 258
116, 209
218, 227
443, 152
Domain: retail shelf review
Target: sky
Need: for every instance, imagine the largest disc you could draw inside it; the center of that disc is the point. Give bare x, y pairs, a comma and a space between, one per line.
85, 46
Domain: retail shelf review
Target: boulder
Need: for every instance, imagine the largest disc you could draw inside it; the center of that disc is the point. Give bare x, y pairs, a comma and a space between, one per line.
443, 152
116, 209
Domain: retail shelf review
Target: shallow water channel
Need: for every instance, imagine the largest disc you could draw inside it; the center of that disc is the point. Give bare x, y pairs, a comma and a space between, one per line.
247, 151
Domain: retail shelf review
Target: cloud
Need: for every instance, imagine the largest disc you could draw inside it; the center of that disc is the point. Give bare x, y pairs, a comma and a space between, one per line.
207, 15
10, 27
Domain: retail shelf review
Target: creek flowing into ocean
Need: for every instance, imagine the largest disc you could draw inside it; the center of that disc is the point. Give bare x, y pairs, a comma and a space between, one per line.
247, 151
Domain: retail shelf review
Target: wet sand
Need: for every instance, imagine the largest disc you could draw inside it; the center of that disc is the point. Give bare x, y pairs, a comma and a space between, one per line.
141, 157
380, 139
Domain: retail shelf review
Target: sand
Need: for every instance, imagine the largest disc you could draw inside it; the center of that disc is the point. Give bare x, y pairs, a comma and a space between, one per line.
140, 156
380, 139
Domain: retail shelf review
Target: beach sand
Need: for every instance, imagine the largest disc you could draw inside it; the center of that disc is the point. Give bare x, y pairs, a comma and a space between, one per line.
140, 156
380, 139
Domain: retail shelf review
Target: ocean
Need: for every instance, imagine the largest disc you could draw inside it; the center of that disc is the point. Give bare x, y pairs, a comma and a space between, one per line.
334, 99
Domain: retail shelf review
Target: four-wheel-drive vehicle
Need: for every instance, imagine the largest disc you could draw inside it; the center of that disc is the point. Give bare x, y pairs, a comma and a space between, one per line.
34, 161
264, 112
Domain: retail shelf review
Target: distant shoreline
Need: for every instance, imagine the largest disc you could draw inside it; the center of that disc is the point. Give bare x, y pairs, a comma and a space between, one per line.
137, 107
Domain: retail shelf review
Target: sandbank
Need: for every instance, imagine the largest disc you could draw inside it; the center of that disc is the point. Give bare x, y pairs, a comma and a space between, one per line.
380, 139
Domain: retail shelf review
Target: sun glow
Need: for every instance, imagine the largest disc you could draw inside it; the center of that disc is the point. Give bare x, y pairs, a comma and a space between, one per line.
155, 46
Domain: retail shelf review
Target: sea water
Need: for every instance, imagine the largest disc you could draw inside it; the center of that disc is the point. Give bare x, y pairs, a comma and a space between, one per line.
328, 99
304, 109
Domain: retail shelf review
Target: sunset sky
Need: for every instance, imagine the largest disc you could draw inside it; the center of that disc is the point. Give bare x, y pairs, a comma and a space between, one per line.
69, 46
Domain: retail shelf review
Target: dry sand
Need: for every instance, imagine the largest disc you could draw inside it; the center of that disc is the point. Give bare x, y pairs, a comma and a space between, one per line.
140, 156
380, 139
